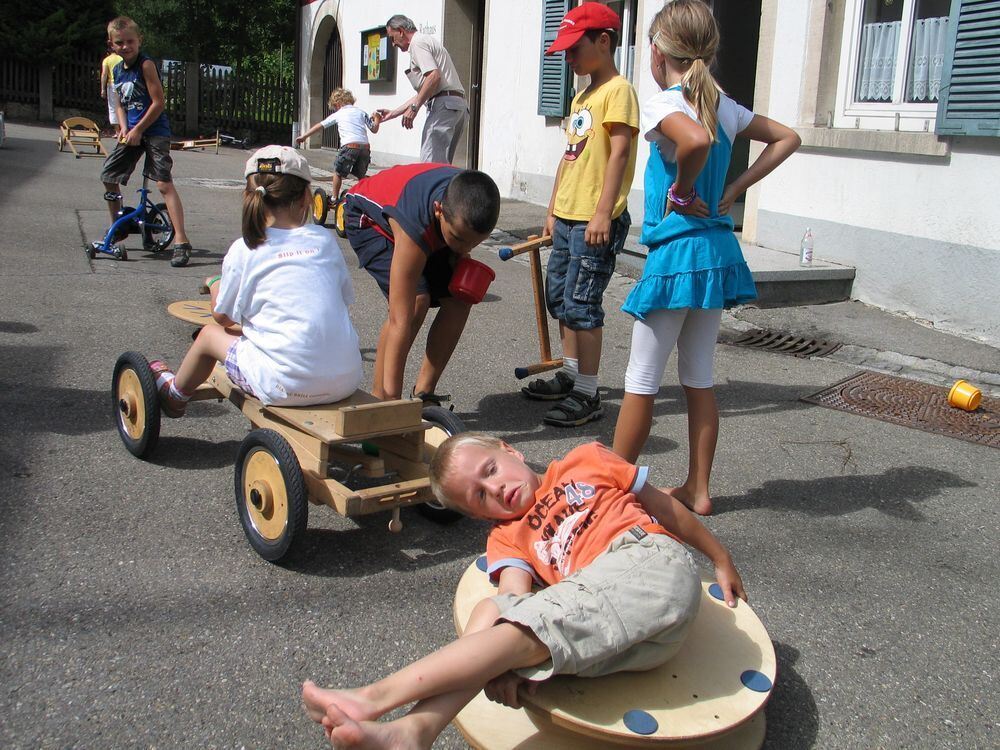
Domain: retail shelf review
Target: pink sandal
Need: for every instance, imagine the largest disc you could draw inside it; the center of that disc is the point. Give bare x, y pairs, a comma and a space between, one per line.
170, 406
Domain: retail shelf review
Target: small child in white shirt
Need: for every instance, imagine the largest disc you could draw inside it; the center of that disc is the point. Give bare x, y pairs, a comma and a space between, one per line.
286, 284
353, 123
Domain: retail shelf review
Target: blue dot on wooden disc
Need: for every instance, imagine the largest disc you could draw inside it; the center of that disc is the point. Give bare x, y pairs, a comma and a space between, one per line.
481, 563
640, 722
756, 681
716, 591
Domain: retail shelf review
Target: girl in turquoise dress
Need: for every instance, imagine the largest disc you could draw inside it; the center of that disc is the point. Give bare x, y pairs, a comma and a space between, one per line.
695, 267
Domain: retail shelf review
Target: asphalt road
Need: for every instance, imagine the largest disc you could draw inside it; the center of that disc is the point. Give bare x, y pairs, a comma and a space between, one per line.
134, 614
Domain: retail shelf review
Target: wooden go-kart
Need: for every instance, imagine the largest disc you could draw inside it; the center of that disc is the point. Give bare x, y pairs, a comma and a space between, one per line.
321, 205
300, 455
710, 696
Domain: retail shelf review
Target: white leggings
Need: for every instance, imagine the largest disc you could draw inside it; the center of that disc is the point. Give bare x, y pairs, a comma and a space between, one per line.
693, 330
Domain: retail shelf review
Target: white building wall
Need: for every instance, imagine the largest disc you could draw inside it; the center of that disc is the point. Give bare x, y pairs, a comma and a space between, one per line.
922, 231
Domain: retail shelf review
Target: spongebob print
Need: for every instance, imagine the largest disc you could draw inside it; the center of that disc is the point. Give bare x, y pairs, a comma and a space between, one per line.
578, 132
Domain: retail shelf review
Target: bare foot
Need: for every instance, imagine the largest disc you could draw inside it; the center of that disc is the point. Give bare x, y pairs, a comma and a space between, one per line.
352, 704
702, 504
344, 732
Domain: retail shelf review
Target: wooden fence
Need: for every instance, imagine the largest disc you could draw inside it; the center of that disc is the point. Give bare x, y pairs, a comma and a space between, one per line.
239, 104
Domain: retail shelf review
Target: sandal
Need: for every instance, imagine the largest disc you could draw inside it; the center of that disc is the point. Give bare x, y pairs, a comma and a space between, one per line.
574, 410
172, 407
550, 390
182, 254
429, 397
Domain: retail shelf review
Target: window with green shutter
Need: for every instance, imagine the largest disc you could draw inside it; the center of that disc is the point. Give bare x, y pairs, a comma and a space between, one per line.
970, 91
554, 76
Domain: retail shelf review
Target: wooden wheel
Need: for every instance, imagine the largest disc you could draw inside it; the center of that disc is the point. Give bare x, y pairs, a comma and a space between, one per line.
339, 220
136, 404
320, 206
270, 494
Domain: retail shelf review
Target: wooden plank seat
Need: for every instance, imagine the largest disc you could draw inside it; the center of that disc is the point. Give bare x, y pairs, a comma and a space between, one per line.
710, 695
83, 132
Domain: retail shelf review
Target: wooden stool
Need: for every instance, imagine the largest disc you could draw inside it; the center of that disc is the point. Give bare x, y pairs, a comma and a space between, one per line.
711, 695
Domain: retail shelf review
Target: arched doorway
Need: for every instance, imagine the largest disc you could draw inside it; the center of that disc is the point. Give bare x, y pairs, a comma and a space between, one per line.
333, 78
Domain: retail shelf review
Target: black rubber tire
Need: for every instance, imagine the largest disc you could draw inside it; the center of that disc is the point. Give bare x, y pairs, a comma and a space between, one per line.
148, 409
320, 206
294, 489
156, 242
120, 253
91, 251
452, 425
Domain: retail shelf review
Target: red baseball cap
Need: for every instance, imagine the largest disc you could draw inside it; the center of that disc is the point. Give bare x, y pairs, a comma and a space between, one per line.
586, 17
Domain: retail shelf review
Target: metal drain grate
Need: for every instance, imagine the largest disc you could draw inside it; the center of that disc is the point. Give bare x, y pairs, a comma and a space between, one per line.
785, 343
911, 404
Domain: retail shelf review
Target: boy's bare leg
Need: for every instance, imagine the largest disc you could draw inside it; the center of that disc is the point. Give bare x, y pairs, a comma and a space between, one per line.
632, 429
588, 344
210, 347
417, 730
463, 666
175, 209
420, 307
567, 342
113, 206
335, 183
703, 434
446, 330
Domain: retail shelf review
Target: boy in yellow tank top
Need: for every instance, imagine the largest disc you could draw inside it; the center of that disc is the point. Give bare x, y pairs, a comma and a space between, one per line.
588, 217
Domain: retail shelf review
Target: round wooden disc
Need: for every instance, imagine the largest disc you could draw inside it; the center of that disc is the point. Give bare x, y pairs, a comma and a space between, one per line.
702, 692
197, 311
491, 726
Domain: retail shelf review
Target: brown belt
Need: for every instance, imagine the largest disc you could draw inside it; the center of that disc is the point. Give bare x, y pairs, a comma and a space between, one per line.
449, 92
356, 145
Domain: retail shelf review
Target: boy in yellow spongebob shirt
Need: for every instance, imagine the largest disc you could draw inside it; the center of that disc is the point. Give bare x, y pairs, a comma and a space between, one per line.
588, 217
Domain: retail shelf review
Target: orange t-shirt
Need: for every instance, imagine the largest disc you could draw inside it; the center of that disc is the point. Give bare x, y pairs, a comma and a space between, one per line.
585, 502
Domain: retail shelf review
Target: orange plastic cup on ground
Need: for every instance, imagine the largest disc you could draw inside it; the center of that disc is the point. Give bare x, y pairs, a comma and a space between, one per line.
964, 395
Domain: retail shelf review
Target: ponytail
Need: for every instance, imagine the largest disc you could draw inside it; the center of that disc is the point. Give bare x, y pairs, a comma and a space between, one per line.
702, 91
263, 194
686, 31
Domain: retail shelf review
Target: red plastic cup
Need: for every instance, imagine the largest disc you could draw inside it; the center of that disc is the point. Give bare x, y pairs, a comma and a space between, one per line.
470, 280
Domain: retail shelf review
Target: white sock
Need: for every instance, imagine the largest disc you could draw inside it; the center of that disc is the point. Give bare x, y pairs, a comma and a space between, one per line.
570, 366
586, 384
176, 393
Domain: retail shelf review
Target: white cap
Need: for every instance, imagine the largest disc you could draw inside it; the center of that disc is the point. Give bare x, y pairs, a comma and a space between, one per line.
278, 160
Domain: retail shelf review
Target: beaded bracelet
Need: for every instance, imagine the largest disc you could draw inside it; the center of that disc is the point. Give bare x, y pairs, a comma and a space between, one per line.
677, 200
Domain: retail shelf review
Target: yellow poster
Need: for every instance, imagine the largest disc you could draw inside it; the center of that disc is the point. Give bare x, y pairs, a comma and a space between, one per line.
373, 55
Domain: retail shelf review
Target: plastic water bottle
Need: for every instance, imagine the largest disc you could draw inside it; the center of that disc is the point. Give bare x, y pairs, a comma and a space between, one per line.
806, 249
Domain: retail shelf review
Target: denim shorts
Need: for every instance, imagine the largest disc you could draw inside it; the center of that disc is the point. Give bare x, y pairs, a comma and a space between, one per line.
352, 161
578, 273
119, 165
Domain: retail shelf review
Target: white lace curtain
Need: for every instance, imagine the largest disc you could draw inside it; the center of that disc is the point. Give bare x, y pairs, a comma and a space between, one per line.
877, 61
930, 39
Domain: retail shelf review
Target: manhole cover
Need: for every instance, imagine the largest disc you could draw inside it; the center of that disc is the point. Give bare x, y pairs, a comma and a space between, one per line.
785, 343
912, 404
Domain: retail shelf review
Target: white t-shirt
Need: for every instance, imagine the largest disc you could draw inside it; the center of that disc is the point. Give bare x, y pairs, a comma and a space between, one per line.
733, 117
352, 122
427, 54
291, 295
